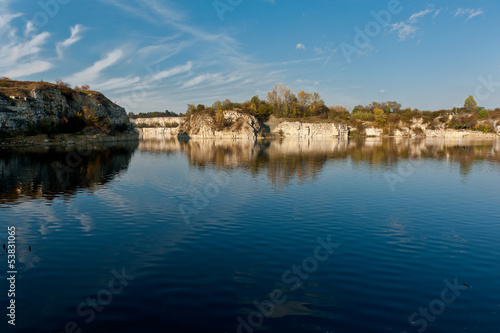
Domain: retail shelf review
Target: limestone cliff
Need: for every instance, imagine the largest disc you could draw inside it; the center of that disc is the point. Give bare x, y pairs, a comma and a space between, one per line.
311, 130
30, 104
223, 125
167, 122
239, 125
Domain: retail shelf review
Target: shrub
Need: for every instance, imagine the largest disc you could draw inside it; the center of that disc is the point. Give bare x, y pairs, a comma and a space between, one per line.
483, 128
83, 87
62, 83
483, 114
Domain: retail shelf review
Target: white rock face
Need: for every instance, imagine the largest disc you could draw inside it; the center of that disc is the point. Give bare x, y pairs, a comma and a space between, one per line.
456, 134
157, 133
371, 131
311, 130
158, 121
244, 126
238, 126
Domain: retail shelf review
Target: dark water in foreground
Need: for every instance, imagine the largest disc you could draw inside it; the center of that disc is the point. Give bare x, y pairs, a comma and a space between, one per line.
372, 236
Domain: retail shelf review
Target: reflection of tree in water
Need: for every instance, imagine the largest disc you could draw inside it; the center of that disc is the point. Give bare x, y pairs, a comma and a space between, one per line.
286, 160
47, 174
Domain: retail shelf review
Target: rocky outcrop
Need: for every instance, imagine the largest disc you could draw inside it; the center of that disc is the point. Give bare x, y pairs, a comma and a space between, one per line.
372, 131
24, 104
157, 121
238, 125
311, 130
157, 133
231, 125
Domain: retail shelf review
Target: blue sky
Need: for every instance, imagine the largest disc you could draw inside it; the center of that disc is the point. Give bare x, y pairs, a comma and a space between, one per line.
152, 55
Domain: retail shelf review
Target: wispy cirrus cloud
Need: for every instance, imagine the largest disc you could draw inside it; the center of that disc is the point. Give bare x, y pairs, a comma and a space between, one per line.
408, 29
34, 67
415, 17
92, 73
469, 12
172, 71
76, 35
20, 55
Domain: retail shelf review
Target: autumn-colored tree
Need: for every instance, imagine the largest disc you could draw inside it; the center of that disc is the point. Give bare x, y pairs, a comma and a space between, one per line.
304, 102
470, 103
380, 116
281, 99
316, 104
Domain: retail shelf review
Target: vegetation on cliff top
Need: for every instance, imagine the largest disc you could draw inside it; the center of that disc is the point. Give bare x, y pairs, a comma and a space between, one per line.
10, 87
156, 114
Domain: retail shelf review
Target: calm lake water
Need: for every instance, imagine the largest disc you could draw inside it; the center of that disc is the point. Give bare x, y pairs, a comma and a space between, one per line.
291, 236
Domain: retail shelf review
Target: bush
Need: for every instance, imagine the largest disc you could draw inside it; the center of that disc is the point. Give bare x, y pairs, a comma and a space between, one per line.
483, 128
62, 83
483, 114
83, 87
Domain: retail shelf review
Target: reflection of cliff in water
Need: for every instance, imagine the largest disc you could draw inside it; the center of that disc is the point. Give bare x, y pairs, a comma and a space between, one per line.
285, 160
56, 172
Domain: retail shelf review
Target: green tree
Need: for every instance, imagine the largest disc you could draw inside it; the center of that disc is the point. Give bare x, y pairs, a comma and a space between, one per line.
470, 103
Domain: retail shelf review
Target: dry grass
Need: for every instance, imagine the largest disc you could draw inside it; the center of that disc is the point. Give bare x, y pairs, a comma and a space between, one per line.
10, 87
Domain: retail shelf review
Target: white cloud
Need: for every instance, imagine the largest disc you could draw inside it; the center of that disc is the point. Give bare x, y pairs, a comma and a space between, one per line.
469, 12
118, 83
300, 46
5, 18
408, 29
382, 91
75, 37
92, 73
20, 52
29, 68
415, 17
30, 27
404, 30
19, 56
172, 71
200, 79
